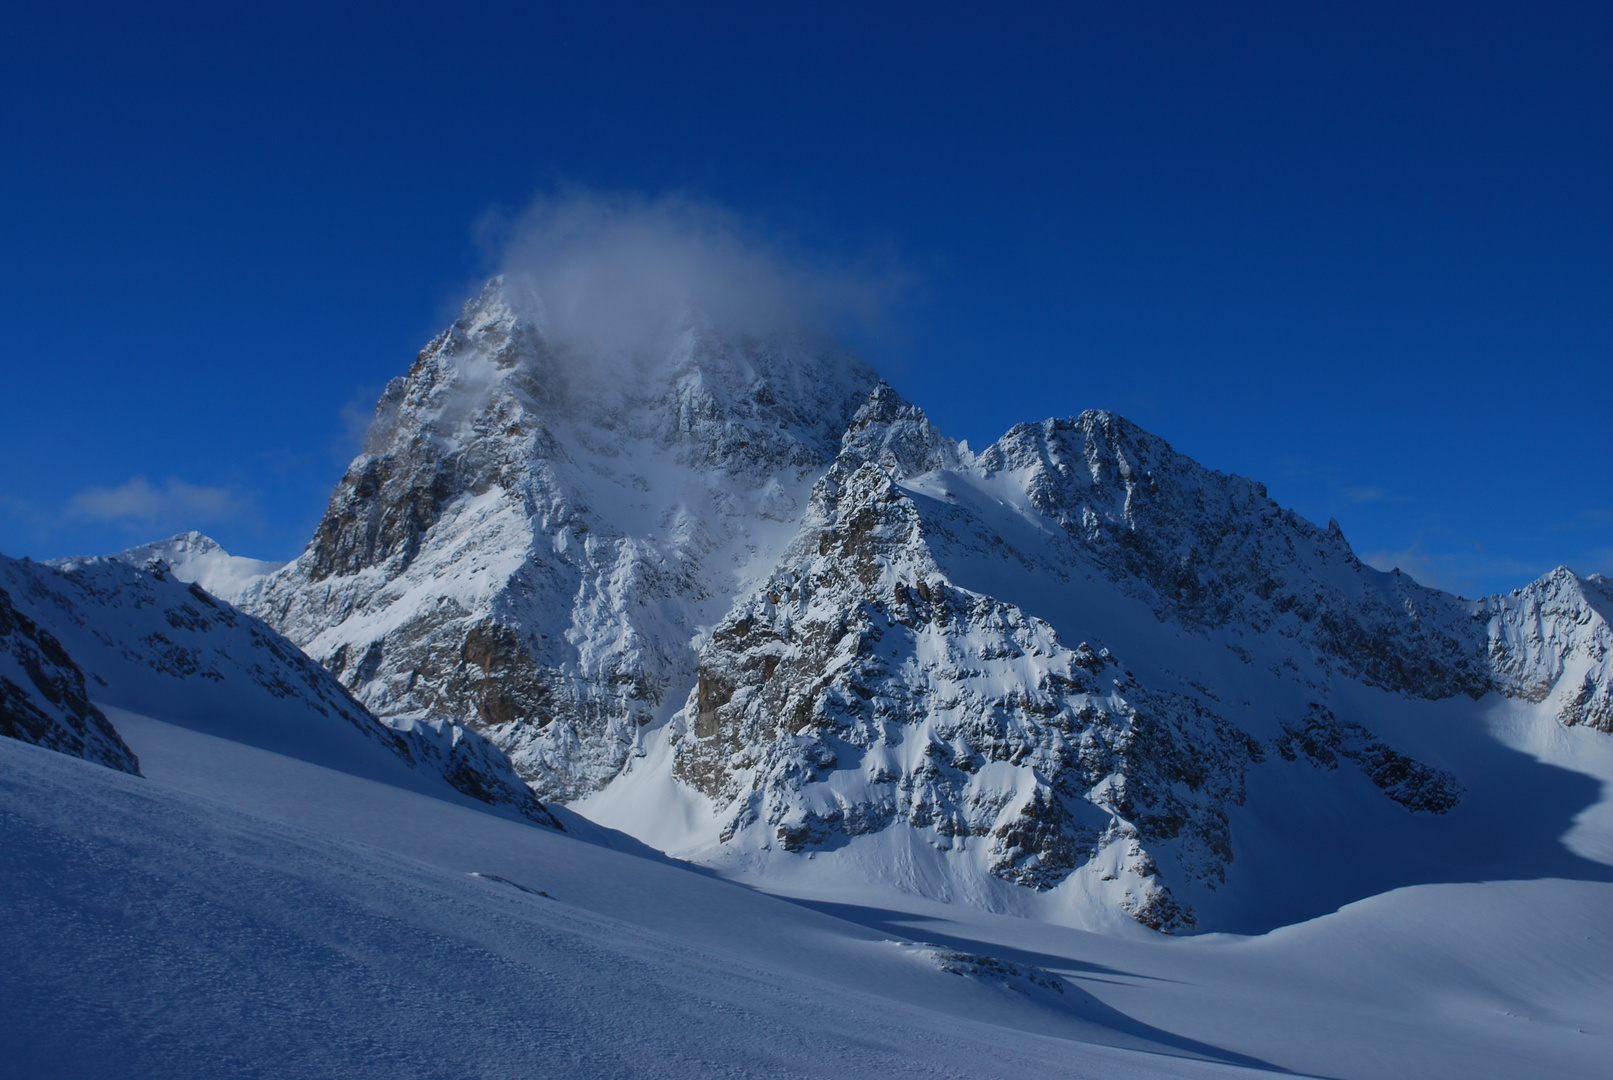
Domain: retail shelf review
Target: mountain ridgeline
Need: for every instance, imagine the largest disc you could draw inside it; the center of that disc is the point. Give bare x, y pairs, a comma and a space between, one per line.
745, 569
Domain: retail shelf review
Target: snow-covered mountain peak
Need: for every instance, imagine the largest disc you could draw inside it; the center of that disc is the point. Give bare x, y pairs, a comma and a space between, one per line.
895, 434
742, 564
197, 559
535, 535
695, 373
908, 667
1552, 641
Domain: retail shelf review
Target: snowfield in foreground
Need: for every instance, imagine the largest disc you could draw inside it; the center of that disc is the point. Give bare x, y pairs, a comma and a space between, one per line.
239, 912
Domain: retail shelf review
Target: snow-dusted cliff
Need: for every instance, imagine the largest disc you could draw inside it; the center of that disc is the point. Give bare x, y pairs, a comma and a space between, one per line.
532, 538
740, 571
925, 655
1552, 643
861, 687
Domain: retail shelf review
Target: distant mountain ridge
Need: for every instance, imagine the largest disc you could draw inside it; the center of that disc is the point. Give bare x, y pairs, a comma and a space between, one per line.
197, 559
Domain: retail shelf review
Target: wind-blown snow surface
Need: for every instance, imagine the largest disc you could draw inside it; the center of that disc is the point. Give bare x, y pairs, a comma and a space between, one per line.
240, 912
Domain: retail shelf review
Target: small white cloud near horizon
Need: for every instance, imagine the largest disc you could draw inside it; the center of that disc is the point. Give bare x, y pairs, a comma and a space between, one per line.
175, 503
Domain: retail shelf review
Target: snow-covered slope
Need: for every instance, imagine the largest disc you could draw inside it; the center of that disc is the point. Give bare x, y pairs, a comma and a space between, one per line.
240, 912
197, 559
151, 643
532, 538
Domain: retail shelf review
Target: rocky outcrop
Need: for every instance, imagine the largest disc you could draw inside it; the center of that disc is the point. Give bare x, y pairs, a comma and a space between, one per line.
1324, 740
44, 699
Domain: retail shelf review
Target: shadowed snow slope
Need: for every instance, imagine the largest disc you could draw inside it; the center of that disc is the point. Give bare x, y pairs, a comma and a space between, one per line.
240, 912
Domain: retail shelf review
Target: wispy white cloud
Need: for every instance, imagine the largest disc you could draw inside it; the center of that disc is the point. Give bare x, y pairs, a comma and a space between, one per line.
1474, 572
357, 414
617, 274
137, 501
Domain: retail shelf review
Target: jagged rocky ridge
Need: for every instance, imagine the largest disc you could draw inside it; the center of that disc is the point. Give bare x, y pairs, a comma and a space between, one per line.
859, 687
863, 685
149, 642
846, 622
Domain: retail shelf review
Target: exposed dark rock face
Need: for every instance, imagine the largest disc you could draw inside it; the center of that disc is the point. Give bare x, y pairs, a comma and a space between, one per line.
1325, 740
44, 699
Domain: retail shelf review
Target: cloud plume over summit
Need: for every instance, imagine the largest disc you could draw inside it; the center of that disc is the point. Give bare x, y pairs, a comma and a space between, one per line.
621, 274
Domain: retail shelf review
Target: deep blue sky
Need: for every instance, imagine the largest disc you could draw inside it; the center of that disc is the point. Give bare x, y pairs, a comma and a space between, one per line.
1363, 253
